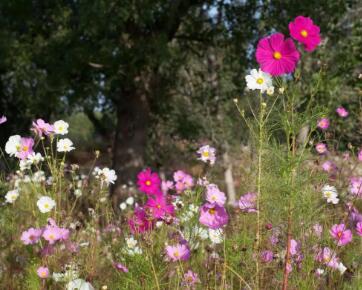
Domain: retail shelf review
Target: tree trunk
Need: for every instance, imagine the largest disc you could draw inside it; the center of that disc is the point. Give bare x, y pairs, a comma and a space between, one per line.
130, 139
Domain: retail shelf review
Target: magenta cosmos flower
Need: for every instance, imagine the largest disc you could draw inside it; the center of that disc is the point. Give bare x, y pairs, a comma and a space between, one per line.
341, 234
159, 207
355, 186
31, 236
179, 252
149, 182
140, 222
43, 272
26, 148
214, 195
247, 202
3, 119
321, 148
213, 216
323, 124
277, 55
342, 112
120, 267
303, 30
40, 127
266, 256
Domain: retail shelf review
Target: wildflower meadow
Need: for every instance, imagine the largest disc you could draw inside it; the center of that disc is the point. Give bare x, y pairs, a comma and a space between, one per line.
290, 218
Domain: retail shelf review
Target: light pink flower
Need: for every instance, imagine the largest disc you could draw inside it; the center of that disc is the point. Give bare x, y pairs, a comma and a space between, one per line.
183, 181
360, 155
52, 234
214, 195
323, 124
321, 148
31, 236
355, 186
327, 257
213, 216
207, 154
120, 267
3, 119
166, 186
266, 256
329, 166
359, 228
341, 234
40, 127
43, 272
190, 279
342, 112
303, 30
247, 202
277, 55
26, 148
179, 252
318, 230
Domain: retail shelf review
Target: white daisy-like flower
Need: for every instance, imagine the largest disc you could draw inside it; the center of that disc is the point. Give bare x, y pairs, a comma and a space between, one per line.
61, 127
45, 204
130, 200
258, 80
207, 154
65, 145
105, 175
13, 145
11, 196
123, 206
330, 193
79, 284
35, 158
78, 192
216, 236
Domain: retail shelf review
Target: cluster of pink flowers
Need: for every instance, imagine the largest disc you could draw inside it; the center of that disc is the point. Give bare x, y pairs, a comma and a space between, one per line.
183, 181
278, 55
40, 127
51, 233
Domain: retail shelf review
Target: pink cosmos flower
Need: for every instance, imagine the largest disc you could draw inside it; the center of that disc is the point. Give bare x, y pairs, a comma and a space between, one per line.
321, 148
294, 247
213, 216
277, 55
52, 234
26, 148
166, 186
303, 30
214, 195
190, 279
179, 252
247, 202
342, 112
40, 127
341, 234
329, 166
159, 207
149, 182
43, 272
120, 267
327, 257
359, 228
355, 186
266, 256
207, 154
360, 155
31, 236
318, 230
140, 222
183, 181
3, 119
323, 124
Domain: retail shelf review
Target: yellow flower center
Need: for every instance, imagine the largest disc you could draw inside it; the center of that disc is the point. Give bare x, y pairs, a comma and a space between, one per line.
212, 211
46, 205
205, 154
304, 33
43, 274
328, 194
339, 234
158, 206
25, 148
51, 237
176, 254
148, 182
277, 55
260, 81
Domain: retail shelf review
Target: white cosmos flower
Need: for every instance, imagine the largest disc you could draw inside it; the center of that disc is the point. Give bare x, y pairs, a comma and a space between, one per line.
216, 236
11, 196
258, 80
341, 268
105, 175
13, 145
330, 193
79, 284
35, 158
61, 127
123, 206
130, 200
65, 145
45, 204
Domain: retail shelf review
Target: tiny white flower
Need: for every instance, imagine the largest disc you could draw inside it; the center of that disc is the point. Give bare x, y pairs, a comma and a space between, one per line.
319, 272
105, 175
65, 145
216, 236
78, 192
24, 165
45, 204
11, 196
131, 242
103, 199
130, 200
61, 127
341, 268
35, 158
159, 224
281, 90
270, 91
258, 80
330, 193
13, 145
39, 176
123, 206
